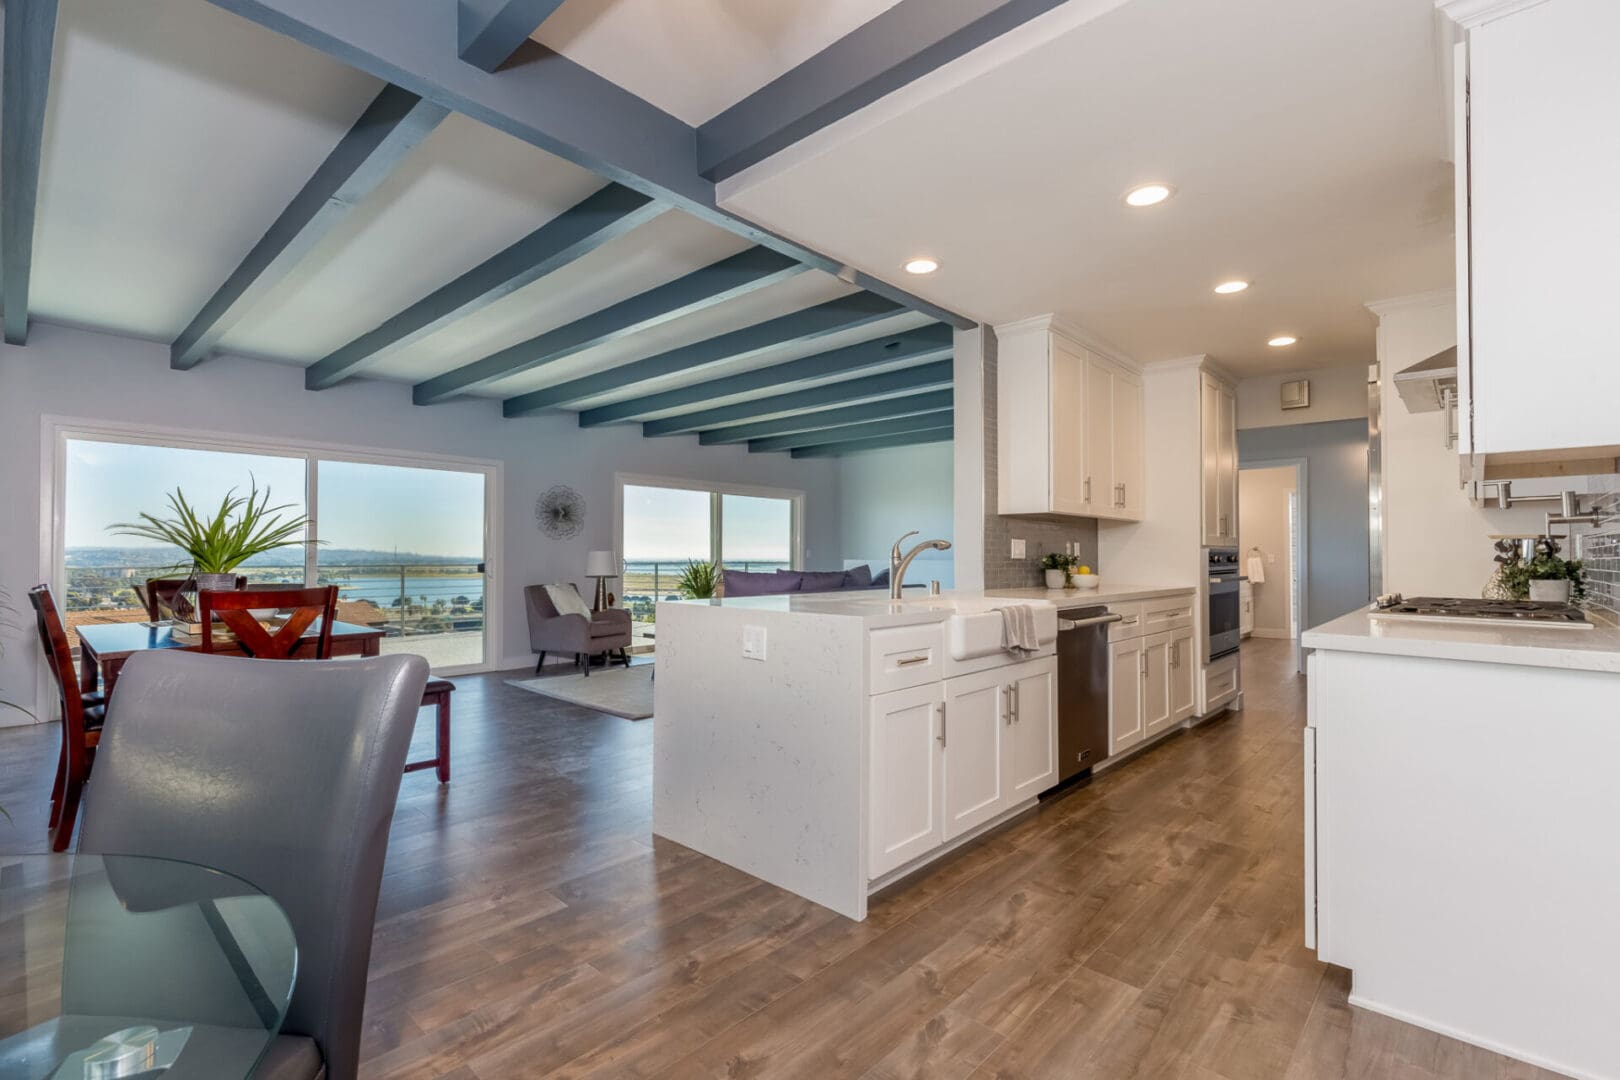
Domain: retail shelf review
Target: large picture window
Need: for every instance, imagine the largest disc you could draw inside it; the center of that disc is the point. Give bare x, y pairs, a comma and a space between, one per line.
405, 540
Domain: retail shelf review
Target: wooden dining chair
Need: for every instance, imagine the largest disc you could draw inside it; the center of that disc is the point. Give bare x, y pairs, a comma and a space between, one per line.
235, 612
157, 595
82, 717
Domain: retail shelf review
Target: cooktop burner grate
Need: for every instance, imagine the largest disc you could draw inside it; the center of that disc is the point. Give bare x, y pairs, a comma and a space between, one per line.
1527, 611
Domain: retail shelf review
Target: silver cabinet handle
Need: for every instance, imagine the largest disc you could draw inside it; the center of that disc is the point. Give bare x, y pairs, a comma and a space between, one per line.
1013, 692
1088, 489
942, 725
910, 660
1006, 705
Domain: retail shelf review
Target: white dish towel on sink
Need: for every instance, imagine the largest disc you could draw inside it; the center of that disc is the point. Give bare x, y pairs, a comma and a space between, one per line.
1018, 629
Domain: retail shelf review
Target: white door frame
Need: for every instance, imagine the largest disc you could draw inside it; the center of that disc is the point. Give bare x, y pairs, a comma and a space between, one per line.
1302, 473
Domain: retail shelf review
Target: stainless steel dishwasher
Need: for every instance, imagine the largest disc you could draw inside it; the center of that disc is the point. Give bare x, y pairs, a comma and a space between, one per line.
1082, 671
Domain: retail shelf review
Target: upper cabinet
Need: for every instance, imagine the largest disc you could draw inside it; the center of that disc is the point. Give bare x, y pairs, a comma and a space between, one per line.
1218, 434
1069, 427
1538, 364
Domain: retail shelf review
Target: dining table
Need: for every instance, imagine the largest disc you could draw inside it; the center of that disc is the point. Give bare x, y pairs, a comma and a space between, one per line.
104, 647
130, 966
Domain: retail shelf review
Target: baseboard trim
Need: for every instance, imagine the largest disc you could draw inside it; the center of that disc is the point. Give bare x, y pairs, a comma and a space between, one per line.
1460, 1035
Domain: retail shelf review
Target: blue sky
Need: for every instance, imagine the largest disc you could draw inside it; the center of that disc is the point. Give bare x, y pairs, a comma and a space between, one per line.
375, 507
672, 525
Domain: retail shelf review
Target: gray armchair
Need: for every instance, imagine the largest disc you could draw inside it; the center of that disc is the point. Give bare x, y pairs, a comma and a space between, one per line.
605, 632
290, 773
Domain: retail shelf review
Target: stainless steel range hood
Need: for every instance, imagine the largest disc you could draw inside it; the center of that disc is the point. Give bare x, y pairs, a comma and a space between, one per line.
1429, 385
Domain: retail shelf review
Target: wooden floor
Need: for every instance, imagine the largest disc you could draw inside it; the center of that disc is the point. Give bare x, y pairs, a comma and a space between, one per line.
1147, 925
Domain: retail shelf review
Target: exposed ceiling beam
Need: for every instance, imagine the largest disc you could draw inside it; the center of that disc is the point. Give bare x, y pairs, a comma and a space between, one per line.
895, 48
927, 343
392, 125
714, 284
546, 100
808, 324
30, 31
904, 425
907, 380
915, 438
579, 230
490, 31
887, 408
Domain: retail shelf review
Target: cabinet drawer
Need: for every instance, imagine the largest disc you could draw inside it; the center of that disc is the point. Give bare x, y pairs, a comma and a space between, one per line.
1130, 622
905, 656
1167, 613
1220, 682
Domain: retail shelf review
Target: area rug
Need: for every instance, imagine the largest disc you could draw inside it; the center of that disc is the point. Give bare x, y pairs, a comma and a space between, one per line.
626, 692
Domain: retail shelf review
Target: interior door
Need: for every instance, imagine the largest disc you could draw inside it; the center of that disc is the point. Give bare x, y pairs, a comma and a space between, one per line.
1032, 758
1124, 695
975, 711
1069, 395
1100, 477
1156, 708
906, 818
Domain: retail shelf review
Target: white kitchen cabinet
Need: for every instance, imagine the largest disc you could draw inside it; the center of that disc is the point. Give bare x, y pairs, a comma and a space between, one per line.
1183, 676
907, 817
1534, 109
1157, 713
1218, 433
1245, 607
1125, 722
1031, 729
1069, 427
975, 776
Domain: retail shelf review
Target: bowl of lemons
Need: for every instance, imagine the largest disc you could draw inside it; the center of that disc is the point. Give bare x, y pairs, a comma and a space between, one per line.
1084, 579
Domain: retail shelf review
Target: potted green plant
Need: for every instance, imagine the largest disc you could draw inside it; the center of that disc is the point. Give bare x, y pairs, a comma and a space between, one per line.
1556, 579
242, 527
1056, 566
699, 580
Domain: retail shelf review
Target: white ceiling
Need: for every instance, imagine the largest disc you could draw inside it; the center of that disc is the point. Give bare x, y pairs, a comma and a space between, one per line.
1306, 142
696, 58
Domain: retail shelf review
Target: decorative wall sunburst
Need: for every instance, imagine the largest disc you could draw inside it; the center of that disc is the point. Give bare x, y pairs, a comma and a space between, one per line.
560, 512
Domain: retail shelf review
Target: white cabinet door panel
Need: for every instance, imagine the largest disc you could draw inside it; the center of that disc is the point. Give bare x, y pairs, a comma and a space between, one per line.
1124, 695
1183, 676
974, 774
1155, 665
1031, 756
906, 817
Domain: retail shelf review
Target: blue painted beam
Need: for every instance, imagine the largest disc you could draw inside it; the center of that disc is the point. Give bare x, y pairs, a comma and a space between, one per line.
579, 230
390, 128
915, 438
546, 100
30, 32
714, 284
490, 31
907, 380
905, 425
886, 409
895, 48
845, 313
928, 343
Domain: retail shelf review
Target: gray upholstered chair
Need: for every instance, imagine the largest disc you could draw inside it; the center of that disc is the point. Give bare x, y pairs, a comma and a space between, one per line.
290, 776
606, 631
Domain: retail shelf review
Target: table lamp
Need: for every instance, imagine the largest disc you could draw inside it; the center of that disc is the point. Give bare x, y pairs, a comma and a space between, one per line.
601, 565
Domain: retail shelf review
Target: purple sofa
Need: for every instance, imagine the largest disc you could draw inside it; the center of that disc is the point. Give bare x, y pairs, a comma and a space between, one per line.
775, 583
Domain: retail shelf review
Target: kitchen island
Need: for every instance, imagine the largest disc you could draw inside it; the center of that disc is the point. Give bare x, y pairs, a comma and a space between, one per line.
1461, 806
833, 743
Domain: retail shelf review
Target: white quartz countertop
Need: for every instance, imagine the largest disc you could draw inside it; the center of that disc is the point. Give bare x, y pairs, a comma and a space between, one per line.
875, 607
1597, 649
1106, 592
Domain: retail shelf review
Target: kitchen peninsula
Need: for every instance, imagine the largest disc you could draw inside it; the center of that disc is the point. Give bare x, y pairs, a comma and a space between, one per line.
1460, 810
832, 744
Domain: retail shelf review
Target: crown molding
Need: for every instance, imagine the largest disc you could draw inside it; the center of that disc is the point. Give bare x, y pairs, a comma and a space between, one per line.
1471, 14
1433, 298
1055, 324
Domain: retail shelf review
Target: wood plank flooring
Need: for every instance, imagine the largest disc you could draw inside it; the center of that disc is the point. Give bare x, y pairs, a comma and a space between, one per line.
1146, 925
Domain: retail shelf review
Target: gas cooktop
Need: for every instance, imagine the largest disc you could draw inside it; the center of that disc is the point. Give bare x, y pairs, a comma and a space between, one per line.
1451, 609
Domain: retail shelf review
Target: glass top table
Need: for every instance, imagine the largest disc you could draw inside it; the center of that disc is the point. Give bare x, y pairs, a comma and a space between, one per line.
121, 967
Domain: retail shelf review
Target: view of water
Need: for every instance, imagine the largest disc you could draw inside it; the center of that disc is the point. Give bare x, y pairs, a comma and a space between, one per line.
383, 589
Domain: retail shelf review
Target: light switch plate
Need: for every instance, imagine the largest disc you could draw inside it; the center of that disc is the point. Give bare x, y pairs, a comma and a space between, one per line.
1017, 549
753, 643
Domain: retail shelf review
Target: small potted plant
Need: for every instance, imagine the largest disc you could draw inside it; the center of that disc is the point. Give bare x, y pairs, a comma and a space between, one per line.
1056, 566
699, 580
1556, 579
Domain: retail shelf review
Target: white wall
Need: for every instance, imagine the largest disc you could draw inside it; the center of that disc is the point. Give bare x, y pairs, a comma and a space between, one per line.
1337, 393
883, 493
1263, 523
1436, 542
83, 375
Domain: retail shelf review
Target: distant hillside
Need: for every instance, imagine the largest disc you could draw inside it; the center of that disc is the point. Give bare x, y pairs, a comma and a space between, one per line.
163, 556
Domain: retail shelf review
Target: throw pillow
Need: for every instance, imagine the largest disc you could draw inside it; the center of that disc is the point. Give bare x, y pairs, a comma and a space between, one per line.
567, 601
822, 580
743, 583
859, 577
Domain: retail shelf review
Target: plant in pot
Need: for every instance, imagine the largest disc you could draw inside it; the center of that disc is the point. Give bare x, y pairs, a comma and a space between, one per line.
242, 527
1056, 566
699, 580
1546, 576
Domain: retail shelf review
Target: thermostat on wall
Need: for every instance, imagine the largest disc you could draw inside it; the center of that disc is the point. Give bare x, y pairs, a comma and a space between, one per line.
1296, 394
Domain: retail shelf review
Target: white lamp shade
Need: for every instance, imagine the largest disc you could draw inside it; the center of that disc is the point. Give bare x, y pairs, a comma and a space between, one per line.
601, 564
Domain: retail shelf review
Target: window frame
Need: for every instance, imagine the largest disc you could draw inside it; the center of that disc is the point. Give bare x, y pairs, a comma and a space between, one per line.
714, 489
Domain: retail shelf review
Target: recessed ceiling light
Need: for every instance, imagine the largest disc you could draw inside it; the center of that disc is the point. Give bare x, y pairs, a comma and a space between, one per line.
1279, 342
922, 265
1226, 287
1148, 195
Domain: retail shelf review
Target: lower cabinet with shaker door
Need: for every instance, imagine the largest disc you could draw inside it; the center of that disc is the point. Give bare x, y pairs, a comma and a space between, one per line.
975, 780
1030, 758
1125, 695
906, 817
1156, 709
1183, 676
